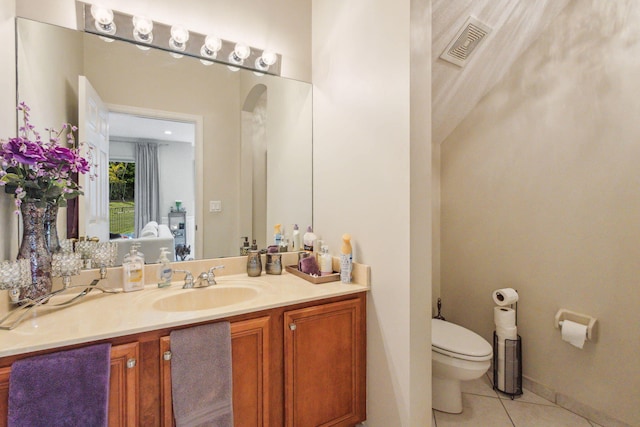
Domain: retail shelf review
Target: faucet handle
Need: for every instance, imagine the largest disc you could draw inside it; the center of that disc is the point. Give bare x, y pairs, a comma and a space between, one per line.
211, 278
188, 278
217, 267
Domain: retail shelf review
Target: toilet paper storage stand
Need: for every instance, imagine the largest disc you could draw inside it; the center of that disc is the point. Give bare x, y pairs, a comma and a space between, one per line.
583, 319
512, 363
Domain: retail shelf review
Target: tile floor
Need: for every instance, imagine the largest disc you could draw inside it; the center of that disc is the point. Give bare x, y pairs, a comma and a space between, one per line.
484, 406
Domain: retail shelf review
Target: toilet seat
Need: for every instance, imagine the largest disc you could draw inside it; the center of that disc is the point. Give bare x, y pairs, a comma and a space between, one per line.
455, 341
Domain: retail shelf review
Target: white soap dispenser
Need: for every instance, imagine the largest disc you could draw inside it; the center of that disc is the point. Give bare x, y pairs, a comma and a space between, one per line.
165, 272
133, 271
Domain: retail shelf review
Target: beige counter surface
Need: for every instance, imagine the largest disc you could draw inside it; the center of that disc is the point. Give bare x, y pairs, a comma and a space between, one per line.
100, 316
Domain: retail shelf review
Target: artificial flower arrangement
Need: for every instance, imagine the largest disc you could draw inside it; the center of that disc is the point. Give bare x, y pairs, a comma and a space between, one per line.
35, 169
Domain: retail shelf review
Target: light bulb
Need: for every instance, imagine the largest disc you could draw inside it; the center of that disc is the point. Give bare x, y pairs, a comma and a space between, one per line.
266, 60
179, 37
142, 29
239, 54
242, 51
211, 47
103, 19
269, 57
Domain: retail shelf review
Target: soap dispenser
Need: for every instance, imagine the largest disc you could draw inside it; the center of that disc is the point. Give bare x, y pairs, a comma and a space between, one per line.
165, 272
244, 249
133, 270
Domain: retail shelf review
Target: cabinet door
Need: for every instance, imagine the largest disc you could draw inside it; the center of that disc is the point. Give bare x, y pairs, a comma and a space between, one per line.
123, 392
250, 365
324, 351
4, 396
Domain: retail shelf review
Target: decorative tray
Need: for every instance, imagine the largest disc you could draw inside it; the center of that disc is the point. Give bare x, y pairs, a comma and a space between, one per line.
293, 269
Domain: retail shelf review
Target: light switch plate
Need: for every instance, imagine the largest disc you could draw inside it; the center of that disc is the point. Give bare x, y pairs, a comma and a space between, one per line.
215, 206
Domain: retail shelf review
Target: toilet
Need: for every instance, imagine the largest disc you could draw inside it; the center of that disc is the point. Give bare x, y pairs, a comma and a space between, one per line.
457, 354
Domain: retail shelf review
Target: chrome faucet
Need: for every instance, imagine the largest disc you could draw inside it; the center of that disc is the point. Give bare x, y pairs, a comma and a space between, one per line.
188, 278
209, 276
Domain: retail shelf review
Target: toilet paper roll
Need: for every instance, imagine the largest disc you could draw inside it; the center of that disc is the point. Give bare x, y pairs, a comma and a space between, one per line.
506, 333
504, 316
574, 333
505, 296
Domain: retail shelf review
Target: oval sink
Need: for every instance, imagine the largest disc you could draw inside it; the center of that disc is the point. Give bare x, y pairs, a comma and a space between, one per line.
204, 299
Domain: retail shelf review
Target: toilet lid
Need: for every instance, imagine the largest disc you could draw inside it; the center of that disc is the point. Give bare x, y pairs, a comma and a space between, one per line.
455, 341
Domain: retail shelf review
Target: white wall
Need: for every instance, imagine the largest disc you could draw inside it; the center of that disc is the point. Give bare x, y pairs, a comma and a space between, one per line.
367, 183
541, 192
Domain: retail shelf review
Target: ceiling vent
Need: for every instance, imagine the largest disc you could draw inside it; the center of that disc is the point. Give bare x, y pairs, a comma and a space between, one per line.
472, 33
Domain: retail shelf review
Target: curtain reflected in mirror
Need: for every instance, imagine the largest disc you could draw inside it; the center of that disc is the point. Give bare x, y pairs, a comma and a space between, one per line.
147, 186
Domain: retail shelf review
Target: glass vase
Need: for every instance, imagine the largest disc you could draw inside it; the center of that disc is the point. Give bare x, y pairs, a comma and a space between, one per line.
51, 227
34, 248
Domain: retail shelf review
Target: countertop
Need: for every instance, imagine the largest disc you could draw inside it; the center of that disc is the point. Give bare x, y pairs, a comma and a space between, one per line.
100, 316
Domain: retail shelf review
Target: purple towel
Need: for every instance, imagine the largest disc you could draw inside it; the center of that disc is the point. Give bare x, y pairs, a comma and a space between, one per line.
67, 388
201, 376
309, 265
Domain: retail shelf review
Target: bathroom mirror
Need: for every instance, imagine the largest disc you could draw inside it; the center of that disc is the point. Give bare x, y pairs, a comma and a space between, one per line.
249, 165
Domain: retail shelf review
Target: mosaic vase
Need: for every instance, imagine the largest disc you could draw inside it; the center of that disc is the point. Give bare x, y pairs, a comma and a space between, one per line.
34, 248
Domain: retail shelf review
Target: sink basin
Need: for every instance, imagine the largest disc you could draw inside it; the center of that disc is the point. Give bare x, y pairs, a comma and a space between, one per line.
207, 298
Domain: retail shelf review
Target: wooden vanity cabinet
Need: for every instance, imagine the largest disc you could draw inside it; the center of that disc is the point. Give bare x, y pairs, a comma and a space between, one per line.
301, 365
123, 392
324, 369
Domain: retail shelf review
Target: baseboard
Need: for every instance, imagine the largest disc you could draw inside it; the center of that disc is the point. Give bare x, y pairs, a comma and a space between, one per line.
571, 404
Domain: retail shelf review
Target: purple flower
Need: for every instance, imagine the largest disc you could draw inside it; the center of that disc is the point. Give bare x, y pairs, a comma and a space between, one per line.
59, 157
20, 150
41, 169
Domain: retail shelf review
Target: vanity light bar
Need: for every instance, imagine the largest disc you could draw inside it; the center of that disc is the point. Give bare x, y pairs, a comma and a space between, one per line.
197, 45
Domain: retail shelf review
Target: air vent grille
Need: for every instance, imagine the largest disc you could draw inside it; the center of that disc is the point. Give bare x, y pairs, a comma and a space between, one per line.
472, 33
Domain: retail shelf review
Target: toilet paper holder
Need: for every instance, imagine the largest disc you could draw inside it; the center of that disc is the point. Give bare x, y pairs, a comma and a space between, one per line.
583, 319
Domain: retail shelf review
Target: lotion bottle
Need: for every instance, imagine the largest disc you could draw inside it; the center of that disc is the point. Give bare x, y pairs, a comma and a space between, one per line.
346, 259
309, 239
326, 264
133, 271
295, 239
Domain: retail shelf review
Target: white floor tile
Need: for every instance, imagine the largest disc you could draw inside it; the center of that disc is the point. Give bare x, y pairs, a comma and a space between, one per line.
479, 411
481, 386
533, 415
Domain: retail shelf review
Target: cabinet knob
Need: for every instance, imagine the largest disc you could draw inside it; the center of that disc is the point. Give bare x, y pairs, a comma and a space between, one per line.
292, 326
166, 355
131, 363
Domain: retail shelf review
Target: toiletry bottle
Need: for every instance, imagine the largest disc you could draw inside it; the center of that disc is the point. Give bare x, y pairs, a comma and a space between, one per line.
244, 249
309, 239
277, 234
346, 259
133, 271
284, 245
165, 272
326, 262
254, 245
295, 239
